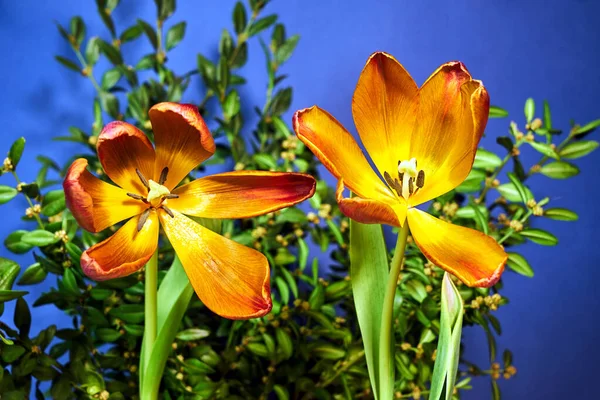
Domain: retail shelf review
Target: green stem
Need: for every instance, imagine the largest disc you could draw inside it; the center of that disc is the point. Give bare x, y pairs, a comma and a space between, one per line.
35, 215
385, 341
151, 278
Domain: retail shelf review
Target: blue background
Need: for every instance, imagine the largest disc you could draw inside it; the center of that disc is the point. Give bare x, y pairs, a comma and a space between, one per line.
545, 49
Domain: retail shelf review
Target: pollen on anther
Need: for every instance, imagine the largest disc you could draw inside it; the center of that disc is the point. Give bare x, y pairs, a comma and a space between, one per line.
143, 219
163, 175
421, 179
168, 211
142, 178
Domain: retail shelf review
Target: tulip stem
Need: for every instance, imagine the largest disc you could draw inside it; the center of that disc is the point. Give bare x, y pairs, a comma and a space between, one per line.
386, 350
150, 307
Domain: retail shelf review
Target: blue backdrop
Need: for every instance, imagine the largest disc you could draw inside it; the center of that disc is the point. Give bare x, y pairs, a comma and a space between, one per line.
545, 49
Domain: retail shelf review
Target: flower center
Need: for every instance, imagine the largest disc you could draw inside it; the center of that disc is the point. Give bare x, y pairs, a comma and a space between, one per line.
409, 180
157, 196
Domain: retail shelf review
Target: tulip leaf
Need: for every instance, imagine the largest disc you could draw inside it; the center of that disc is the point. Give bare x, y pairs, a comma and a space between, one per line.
446, 362
369, 273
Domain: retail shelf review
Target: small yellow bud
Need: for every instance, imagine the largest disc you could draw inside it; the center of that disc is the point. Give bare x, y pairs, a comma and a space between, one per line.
239, 166
536, 124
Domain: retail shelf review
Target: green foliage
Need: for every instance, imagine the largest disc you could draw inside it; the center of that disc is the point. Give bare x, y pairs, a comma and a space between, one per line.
309, 346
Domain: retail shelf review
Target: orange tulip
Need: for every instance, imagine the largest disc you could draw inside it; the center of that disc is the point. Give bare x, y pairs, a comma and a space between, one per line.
230, 279
423, 143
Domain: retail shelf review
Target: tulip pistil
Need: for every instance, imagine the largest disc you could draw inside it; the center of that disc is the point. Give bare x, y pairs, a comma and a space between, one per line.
409, 180
156, 197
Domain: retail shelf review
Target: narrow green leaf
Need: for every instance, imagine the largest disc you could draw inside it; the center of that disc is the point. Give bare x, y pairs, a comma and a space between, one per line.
8, 295
239, 17
561, 214
369, 273
545, 149
497, 112
578, 149
33, 274
524, 194
16, 151
540, 236
7, 193
68, 63
175, 35
587, 127
302, 254
446, 362
559, 170
284, 52
262, 24
529, 109
192, 334
509, 192
39, 238
547, 116
519, 264
486, 160
8, 273
110, 78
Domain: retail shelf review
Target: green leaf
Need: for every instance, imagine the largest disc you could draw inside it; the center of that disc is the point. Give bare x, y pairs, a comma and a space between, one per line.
524, 194
284, 52
110, 78
578, 149
284, 291
262, 24
559, 170
231, 105
473, 182
509, 192
7, 193
8, 273
486, 160
545, 149
13, 242
33, 274
68, 63
586, 128
302, 254
39, 238
175, 35
529, 109
284, 344
54, 202
8, 295
92, 51
561, 214
107, 334
130, 313
131, 33
192, 334
369, 274
547, 116
519, 264
78, 29
16, 151
540, 236
328, 352
446, 362
70, 282
497, 112
22, 317
174, 295
111, 52
239, 17
281, 392
150, 32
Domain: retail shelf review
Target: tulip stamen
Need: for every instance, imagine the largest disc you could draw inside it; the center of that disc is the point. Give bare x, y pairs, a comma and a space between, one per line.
163, 176
168, 211
143, 218
409, 181
142, 178
137, 197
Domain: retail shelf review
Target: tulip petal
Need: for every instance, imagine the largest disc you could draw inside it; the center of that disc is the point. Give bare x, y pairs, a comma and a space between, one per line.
474, 257
242, 194
339, 152
123, 148
182, 140
124, 252
232, 280
384, 108
95, 204
370, 211
453, 112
